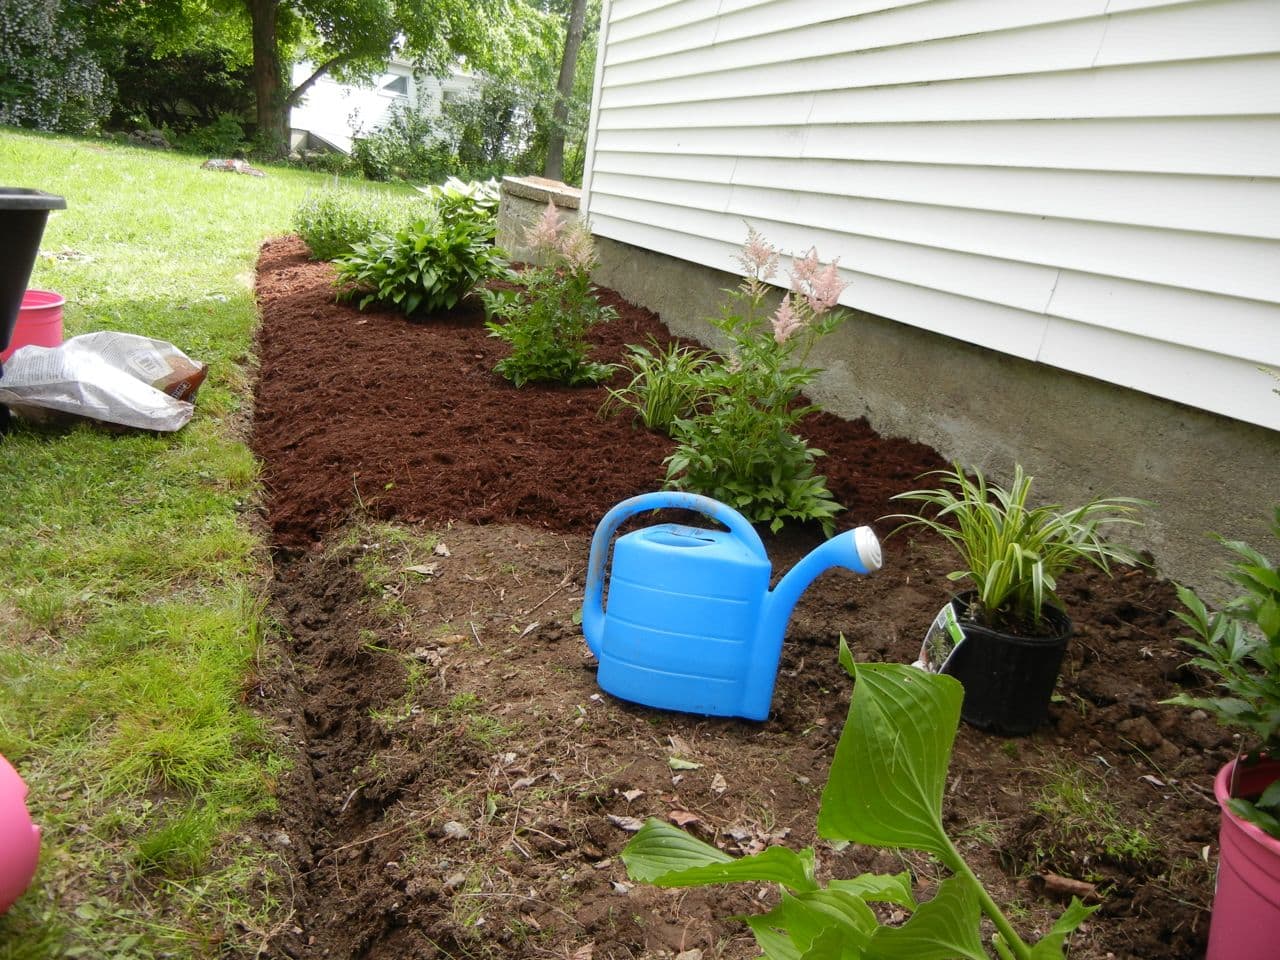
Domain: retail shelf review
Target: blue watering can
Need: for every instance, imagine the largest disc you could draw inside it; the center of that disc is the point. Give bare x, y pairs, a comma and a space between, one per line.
692, 624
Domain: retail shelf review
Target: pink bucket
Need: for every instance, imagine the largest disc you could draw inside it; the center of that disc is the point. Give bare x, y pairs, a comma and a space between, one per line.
1246, 906
39, 322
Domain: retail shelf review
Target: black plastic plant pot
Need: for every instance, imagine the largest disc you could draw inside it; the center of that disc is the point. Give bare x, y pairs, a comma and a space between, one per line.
1008, 680
23, 213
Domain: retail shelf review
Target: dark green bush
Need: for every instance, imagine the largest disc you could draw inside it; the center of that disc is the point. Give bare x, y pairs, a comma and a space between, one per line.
421, 269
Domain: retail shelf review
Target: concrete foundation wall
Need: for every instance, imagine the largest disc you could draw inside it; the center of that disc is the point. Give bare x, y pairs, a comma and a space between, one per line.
524, 200
1077, 436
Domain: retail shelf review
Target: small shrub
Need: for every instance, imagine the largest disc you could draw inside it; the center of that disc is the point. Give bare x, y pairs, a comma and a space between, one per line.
666, 384
475, 200
405, 147
224, 137
331, 222
740, 447
547, 325
424, 268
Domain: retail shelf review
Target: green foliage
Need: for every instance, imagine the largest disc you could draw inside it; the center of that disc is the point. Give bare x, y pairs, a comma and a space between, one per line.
1239, 646
546, 325
885, 788
476, 200
740, 446
50, 77
405, 147
666, 384
184, 90
424, 268
223, 137
1014, 554
333, 221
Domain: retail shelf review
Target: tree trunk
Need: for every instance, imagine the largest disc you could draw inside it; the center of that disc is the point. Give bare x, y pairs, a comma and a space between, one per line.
554, 169
267, 79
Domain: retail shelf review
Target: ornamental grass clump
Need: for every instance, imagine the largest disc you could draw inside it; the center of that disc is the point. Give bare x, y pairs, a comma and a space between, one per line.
331, 222
546, 325
739, 445
666, 384
1239, 646
1013, 554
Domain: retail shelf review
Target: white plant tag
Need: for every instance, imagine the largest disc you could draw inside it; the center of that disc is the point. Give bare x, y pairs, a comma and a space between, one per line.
943, 636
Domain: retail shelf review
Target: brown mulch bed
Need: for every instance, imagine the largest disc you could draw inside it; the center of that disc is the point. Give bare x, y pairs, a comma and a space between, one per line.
456, 766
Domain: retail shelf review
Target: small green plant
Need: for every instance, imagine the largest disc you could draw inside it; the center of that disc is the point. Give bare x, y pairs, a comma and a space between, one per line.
424, 268
666, 384
331, 222
885, 789
472, 200
740, 446
1239, 646
546, 326
1082, 826
1014, 554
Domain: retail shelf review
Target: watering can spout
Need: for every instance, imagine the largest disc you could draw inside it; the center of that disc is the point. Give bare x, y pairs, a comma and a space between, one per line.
857, 550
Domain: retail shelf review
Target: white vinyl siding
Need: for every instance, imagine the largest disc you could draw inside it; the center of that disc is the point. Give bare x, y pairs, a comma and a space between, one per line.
1089, 184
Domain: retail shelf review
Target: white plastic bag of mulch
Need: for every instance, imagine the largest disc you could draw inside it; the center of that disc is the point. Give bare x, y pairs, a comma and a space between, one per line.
119, 378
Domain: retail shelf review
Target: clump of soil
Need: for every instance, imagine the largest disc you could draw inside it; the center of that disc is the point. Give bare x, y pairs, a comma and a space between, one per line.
463, 788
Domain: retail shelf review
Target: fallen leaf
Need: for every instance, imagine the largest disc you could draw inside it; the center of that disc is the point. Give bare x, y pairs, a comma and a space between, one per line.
1154, 781
441, 550
524, 782
678, 763
682, 818
629, 824
585, 952
425, 569
530, 628
630, 795
456, 831
620, 887
718, 784
602, 865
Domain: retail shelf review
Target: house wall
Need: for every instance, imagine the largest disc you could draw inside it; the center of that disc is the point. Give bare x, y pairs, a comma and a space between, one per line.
1069, 208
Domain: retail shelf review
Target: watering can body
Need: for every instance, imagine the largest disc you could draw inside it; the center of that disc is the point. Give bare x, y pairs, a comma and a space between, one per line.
691, 624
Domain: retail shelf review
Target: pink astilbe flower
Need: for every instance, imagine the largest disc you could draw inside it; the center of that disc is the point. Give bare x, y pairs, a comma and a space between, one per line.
826, 289
804, 272
544, 236
758, 257
577, 248
785, 321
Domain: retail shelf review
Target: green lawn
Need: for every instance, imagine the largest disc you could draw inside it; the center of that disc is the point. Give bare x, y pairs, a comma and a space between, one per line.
132, 583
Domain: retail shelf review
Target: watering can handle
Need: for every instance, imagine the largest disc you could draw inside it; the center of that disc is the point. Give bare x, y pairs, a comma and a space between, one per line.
593, 599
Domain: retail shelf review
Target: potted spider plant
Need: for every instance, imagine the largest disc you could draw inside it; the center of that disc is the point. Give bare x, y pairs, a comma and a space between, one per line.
1012, 628
1239, 646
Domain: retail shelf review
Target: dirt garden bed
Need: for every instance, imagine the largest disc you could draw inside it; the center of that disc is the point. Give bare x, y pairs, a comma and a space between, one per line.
461, 787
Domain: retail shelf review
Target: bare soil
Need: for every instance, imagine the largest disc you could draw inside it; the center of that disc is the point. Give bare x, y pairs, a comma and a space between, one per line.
460, 785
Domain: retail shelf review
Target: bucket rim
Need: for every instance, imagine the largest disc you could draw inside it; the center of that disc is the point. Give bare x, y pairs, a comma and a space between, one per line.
33, 299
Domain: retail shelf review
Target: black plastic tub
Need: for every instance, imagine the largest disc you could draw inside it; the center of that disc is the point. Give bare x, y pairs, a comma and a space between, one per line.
23, 213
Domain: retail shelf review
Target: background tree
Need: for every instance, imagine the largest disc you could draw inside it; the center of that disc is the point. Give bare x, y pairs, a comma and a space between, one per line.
51, 78
554, 167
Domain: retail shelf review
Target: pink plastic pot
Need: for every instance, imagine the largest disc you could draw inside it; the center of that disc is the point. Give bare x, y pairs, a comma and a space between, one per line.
1246, 906
39, 322
19, 837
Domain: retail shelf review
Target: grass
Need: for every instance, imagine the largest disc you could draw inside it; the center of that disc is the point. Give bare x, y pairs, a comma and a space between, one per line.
131, 583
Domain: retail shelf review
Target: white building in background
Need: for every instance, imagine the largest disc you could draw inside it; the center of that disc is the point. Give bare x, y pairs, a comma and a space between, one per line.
333, 114
1093, 185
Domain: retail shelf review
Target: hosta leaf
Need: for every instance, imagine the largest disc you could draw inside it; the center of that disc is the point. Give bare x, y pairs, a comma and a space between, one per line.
879, 888
890, 767
943, 928
668, 857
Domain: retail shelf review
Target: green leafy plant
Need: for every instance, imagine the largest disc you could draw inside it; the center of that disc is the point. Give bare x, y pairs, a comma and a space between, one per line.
331, 222
1239, 645
885, 789
475, 200
424, 268
740, 446
546, 325
666, 384
1011, 553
